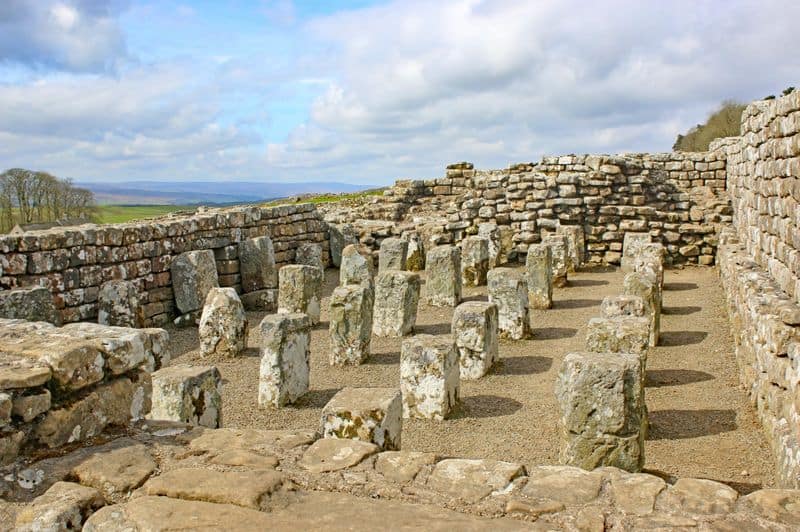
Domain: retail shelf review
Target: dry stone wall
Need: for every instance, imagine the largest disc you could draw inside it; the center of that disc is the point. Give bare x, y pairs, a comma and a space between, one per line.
74, 262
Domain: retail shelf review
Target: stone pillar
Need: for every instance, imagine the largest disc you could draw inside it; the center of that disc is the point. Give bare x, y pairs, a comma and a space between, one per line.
631, 244
601, 402
396, 301
415, 258
300, 290
474, 260
351, 324
622, 306
475, 329
118, 304
619, 335
560, 259
506, 251
492, 233
650, 261
310, 255
257, 264
443, 282
223, 324
509, 291
32, 304
188, 394
539, 270
639, 284
429, 376
393, 254
373, 415
355, 268
194, 274
576, 244
285, 353
341, 236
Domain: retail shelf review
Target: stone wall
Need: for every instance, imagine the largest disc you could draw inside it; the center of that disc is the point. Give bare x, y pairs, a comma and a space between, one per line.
74, 262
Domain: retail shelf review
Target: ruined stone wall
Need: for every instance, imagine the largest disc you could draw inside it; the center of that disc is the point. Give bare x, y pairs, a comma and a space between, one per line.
74, 262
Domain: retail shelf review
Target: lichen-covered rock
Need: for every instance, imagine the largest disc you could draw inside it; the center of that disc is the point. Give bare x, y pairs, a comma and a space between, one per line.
373, 415
631, 245
475, 329
474, 260
194, 274
576, 244
472, 480
355, 268
650, 257
539, 270
492, 234
622, 306
509, 291
341, 236
300, 291
6, 405
310, 255
223, 324
619, 335
443, 281
28, 407
393, 254
429, 376
415, 255
189, 394
119, 305
10, 442
285, 354
335, 454
559, 258
644, 286
65, 506
603, 419
32, 304
265, 300
396, 301
351, 324
116, 470
257, 264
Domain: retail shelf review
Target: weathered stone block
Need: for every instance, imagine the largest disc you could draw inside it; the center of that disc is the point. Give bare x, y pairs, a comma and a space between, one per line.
32, 304
351, 324
310, 255
631, 244
257, 264
443, 280
415, 258
622, 306
64, 506
285, 354
619, 335
118, 304
355, 268
475, 329
559, 257
429, 376
396, 301
28, 407
492, 234
373, 415
341, 236
194, 274
300, 290
393, 254
265, 300
539, 270
474, 260
641, 285
576, 244
223, 324
188, 394
509, 291
601, 401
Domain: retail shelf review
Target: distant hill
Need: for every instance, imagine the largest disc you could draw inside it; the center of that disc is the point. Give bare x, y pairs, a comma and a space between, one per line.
205, 192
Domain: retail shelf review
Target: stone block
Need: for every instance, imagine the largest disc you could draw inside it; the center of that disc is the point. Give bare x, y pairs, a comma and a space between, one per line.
539, 270
285, 354
393, 254
310, 255
576, 244
188, 394
619, 335
194, 274
415, 257
64, 506
32, 304
641, 285
603, 417
355, 267
372, 415
341, 236
257, 264
560, 258
474, 260
28, 407
396, 301
429, 376
223, 324
300, 291
351, 324
443, 276
118, 304
508, 289
475, 330
265, 300
622, 306
631, 244
491, 232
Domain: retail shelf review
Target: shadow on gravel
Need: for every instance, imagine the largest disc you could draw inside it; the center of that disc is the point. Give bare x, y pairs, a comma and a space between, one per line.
524, 365
576, 303
478, 406
656, 378
316, 398
553, 333
680, 311
680, 286
676, 338
683, 424
432, 328
384, 358
586, 282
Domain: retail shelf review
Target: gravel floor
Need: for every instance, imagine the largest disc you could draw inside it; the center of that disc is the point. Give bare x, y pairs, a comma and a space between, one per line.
701, 422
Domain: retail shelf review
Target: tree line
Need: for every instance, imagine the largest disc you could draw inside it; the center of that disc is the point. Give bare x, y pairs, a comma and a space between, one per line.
28, 197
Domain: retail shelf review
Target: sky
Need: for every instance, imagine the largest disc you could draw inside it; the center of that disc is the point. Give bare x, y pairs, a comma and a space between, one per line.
368, 91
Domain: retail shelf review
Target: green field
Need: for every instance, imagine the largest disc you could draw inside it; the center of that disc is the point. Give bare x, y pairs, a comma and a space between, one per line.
327, 198
111, 214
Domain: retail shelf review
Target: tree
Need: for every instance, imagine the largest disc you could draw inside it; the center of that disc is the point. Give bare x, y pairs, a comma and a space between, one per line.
724, 122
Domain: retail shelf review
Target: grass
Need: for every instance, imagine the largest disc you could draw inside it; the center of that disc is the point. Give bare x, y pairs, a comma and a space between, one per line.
327, 198
111, 214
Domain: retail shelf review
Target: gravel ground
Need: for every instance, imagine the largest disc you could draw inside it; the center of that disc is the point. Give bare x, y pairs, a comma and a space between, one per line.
702, 424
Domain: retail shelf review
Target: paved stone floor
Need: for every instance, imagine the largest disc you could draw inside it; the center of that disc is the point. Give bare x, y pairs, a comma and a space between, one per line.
701, 422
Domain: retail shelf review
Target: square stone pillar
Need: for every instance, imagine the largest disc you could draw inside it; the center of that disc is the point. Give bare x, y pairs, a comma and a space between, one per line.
539, 270
341, 236
415, 256
560, 258
223, 324
285, 353
491, 232
429, 376
619, 335
194, 274
351, 324
443, 276
188, 394
373, 415
356, 267
257, 264
576, 244
300, 290
474, 260
644, 286
509, 291
475, 329
396, 302
393, 254
631, 244
118, 304
310, 255
622, 306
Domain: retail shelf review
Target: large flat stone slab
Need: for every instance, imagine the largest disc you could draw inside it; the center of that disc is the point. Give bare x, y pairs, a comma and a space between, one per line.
118, 471
472, 480
333, 454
